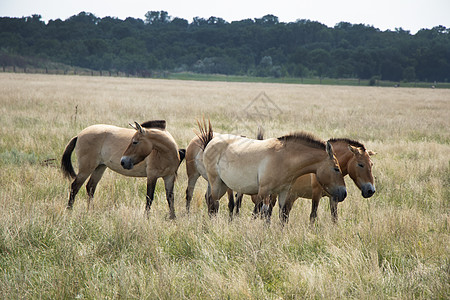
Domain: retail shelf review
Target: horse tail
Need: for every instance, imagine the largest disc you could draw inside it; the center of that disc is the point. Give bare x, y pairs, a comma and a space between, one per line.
182, 154
66, 162
260, 134
206, 134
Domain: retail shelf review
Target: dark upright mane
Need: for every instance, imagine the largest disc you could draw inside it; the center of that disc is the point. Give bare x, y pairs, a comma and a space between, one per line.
303, 137
348, 141
260, 134
159, 124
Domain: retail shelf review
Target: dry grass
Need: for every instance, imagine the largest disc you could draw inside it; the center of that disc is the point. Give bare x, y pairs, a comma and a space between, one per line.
393, 245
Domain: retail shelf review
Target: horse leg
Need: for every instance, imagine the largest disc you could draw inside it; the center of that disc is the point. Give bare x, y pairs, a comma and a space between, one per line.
239, 197
169, 182
218, 189
285, 201
262, 205
273, 201
316, 195
151, 183
92, 183
258, 206
231, 203
333, 209
75, 187
208, 195
285, 212
192, 180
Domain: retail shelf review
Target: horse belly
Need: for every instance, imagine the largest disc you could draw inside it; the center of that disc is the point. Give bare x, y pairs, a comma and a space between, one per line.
239, 179
302, 187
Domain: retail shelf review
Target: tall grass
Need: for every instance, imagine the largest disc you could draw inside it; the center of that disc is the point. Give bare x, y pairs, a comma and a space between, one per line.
393, 245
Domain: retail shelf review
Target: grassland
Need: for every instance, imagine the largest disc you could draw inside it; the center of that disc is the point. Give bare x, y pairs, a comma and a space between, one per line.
307, 80
393, 245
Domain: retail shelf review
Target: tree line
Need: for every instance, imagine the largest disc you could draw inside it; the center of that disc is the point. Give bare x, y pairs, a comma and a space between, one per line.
257, 47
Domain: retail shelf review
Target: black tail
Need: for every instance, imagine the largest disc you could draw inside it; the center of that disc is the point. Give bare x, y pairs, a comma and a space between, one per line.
206, 134
66, 163
182, 154
260, 134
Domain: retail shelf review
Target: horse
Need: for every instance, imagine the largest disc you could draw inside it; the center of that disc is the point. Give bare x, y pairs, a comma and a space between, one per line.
195, 168
354, 160
270, 166
100, 146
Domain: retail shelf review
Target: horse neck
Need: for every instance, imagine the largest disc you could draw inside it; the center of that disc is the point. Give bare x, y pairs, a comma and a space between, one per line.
163, 142
343, 155
306, 159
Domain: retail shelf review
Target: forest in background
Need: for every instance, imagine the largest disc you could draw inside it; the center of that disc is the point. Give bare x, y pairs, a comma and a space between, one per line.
262, 47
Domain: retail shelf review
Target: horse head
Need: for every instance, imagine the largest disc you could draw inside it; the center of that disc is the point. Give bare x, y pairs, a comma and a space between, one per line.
359, 168
138, 149
330, 177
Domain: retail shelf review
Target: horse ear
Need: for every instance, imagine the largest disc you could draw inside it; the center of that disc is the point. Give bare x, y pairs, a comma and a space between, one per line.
370, 152
354, 149
138, 127
330, 150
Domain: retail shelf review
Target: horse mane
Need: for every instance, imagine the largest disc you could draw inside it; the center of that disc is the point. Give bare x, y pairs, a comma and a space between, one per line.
348, 141
260, 134
158, 124
206, 133
303, 137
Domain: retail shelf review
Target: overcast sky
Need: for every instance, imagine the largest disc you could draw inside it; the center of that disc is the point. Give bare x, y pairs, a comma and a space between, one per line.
411, 15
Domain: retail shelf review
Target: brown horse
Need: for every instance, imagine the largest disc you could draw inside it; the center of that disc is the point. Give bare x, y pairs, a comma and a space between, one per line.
353, 159
101, 146
269, 166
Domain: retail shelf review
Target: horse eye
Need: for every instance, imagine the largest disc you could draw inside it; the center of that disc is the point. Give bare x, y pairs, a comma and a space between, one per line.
361, 165
336, 169
135, 142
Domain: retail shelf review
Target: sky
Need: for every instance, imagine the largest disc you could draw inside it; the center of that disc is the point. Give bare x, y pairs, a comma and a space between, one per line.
411, 15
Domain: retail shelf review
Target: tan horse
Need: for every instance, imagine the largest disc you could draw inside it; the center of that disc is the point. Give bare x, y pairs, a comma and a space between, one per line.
195, 168
353, 159
269, 166
99, 147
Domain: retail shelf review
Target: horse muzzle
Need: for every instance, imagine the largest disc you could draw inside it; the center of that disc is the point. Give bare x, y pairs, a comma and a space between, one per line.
126, 162
367, 190
340, 194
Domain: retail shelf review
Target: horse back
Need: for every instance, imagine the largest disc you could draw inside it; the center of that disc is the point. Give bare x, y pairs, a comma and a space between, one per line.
103, 140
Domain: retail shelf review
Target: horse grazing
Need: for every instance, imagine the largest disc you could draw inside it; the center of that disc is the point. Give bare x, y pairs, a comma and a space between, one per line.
265, 167
354, 160
100, 146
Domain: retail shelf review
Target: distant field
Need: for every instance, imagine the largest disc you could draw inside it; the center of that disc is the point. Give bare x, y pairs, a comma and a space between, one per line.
60, 69
393, 245
296, 80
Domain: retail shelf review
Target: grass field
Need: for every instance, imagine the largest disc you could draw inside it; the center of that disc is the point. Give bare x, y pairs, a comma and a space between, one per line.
394, 245
307, 80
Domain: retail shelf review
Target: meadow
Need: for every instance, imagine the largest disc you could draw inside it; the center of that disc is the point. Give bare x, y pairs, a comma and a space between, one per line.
393, 245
